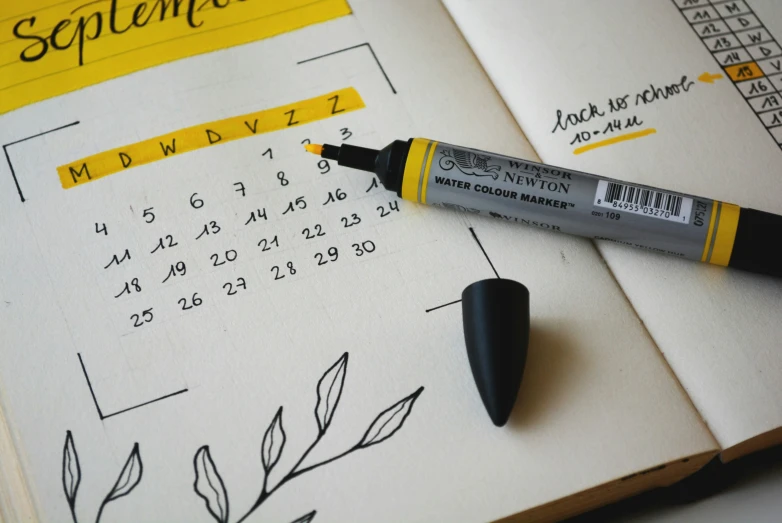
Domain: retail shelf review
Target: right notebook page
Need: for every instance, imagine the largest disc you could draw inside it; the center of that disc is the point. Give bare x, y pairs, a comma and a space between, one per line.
682, 95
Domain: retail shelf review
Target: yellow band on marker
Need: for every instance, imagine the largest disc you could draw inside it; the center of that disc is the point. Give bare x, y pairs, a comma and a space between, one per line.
428, 168
726, 234
714, 206
414, 171
189, 139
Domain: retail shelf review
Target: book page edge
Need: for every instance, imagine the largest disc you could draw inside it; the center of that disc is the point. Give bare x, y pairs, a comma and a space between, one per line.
757, 443
662, 475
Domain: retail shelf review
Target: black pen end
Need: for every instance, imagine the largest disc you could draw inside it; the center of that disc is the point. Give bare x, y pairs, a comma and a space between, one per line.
330, 152
495, 315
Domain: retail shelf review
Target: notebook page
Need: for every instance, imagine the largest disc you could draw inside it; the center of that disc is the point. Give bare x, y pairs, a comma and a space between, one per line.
691, 131
229, 307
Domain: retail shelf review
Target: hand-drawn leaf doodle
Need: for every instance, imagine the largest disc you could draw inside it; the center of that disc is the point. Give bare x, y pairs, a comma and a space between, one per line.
273, 442
329, 392
71, 471
209, 485
389, 421
306, 518
129, 477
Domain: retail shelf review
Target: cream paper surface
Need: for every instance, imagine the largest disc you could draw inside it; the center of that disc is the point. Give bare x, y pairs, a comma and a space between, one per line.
598, 401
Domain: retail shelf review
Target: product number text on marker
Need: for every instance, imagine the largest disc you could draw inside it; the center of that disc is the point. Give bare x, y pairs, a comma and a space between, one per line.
646, 202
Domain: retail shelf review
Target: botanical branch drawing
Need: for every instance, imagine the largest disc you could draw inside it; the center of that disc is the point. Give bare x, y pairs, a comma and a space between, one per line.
129, 477
209, 484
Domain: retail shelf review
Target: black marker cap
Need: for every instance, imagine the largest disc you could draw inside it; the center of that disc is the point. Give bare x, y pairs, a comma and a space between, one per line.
495, 315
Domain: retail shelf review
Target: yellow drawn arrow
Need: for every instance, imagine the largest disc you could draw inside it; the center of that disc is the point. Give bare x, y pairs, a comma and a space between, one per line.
709, 78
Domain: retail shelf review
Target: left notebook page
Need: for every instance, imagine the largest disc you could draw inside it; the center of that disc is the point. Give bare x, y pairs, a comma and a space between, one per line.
202, 322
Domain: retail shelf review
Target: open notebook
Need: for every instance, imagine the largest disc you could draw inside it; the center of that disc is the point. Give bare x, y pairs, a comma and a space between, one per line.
229, 329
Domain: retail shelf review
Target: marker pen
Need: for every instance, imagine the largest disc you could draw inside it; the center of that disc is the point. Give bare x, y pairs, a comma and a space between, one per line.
573, 202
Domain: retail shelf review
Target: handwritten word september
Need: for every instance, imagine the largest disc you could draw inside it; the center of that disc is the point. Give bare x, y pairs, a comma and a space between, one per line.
91, 26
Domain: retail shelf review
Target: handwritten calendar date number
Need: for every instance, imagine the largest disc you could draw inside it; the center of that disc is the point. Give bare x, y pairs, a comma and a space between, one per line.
350, 221
164, 242
280, 273
365, 247
372, 185
195, 301
386, 210
116, 260
317, 230
143, 318
259, 214
298, 203
130, 286
331, 255
196, 203
177, 269
240, 188
229, 256
233, 288
210, 228
266, 245
335, 196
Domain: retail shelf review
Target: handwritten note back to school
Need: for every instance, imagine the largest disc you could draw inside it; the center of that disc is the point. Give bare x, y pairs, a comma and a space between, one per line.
51, 47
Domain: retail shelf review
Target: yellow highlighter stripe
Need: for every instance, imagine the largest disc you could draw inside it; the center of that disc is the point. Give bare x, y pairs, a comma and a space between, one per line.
707, 244
428, 168
176, 143
78, 44
414, 168
726, 235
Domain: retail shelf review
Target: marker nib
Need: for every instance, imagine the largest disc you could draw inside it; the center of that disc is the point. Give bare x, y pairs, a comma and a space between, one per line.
314, 148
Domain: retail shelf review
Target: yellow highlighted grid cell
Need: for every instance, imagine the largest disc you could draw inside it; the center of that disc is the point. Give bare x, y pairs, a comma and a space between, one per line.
196, 137
54, 47
615, 139
740, 72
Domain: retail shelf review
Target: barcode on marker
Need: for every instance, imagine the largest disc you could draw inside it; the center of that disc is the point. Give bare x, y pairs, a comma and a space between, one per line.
646, 202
